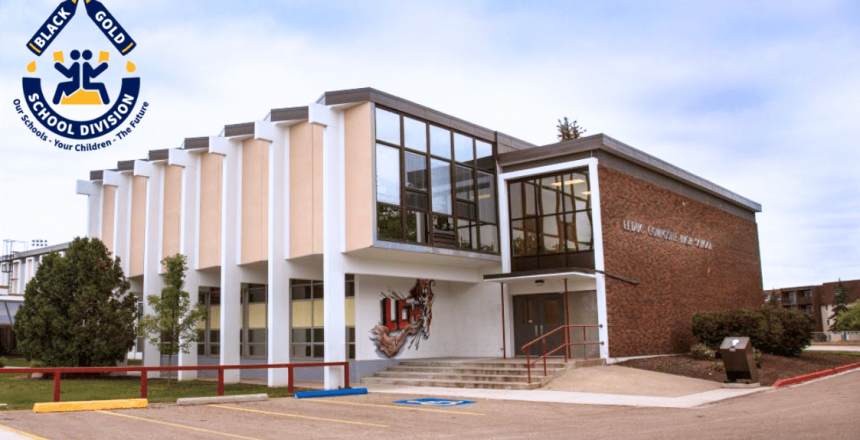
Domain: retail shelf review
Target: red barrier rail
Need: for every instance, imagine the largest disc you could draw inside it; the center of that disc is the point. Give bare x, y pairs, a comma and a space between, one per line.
58, 373
565, 346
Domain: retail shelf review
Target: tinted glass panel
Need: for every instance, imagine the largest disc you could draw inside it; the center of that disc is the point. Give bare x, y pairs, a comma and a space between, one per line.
417, 227
319, 290
467, 234
416, 171
550, 195
387, 126
489, 238
553, 235
415, 200
484, 154
387, 174
529, 196
256, 350
524, 240
441, 175
466, 210
388, 222
440, 142
301, 292
515, 192
465, 183
463, 150
257, 335
486, 197
415, 134
301, 335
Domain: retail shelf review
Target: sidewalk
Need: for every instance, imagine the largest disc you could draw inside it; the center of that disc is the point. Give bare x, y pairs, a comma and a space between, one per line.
607, 385
833, 347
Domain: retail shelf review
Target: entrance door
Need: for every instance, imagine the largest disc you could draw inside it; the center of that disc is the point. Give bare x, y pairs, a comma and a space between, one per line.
535, 315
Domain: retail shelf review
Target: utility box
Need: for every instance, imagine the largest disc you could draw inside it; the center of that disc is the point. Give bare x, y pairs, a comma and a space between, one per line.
739, 359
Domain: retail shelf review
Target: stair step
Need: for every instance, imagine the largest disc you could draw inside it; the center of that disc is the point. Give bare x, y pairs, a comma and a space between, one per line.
475, 371
457, 377
452, 383
479, 364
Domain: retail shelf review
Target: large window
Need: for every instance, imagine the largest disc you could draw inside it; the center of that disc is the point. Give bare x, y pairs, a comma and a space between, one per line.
209, 329
434, 186
254, 318
551, 221
308, 327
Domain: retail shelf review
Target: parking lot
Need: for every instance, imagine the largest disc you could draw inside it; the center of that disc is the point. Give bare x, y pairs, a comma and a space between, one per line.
822, 409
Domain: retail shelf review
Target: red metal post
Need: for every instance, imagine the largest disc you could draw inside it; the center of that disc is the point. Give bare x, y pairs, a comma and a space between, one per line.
544, 356
144, 391
290, 388
566, 343
346, 374
221, 381
57, 375
529, 366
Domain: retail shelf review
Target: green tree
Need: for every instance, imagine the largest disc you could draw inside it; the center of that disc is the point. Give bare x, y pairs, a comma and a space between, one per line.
840, 305
77, 310
569, 130
773, 299
172, 326
849, 321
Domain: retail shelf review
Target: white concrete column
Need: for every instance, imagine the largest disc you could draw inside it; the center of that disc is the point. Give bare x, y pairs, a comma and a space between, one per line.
231, 273
187, 240
122, 216
597, 230
93, 191
333, 239
152, 281
278, 282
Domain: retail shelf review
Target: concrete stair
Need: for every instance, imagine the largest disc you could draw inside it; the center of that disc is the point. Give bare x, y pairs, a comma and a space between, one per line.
508, 374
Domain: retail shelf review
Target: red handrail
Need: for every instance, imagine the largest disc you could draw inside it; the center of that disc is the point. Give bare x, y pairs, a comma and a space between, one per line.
58, 372
565, 346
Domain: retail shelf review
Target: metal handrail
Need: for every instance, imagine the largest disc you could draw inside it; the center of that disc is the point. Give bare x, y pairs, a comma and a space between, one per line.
565, 346
58, 372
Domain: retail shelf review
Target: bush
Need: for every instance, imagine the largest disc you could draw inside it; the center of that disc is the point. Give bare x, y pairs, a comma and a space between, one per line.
702, 352
776, 331
2, 362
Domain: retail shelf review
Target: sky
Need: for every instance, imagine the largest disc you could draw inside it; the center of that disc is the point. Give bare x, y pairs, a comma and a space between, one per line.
761, 98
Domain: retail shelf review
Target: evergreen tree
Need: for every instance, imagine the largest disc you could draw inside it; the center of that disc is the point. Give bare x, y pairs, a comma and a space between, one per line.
569, 130
840, 305
77, 310
172, 326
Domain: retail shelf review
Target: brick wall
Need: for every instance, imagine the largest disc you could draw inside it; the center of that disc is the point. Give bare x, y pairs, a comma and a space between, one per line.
676, 280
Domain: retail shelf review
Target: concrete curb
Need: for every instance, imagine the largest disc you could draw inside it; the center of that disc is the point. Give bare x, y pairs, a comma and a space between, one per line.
222, 399
90, 405
814, 375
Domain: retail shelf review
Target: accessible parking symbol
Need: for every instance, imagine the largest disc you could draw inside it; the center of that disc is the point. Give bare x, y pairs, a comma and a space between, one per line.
427, 401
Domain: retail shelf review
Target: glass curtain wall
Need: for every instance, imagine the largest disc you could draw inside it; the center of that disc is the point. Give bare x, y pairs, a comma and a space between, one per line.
551, 221
434, 186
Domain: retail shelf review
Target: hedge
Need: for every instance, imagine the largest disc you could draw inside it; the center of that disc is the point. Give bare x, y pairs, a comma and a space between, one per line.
776, 331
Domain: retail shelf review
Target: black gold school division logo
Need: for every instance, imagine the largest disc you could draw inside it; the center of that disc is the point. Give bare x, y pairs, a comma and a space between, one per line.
80, 68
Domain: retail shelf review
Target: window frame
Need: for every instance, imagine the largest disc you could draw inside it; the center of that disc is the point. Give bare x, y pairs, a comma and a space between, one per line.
427, 211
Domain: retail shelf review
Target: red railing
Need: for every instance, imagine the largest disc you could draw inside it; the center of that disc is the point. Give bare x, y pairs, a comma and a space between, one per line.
58, 372
542, 338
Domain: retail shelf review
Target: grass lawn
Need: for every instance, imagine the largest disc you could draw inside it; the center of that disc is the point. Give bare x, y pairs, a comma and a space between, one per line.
20, 392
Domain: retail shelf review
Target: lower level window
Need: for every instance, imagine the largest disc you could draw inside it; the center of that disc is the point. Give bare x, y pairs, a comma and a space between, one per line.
308, 328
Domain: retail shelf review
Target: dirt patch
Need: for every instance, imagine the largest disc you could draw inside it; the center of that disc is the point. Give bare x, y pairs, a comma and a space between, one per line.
773, 367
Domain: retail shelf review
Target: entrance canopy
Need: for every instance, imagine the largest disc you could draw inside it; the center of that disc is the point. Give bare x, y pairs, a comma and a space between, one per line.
574, 278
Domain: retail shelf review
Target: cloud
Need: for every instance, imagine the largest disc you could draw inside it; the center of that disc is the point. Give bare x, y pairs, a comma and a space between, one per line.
760, 98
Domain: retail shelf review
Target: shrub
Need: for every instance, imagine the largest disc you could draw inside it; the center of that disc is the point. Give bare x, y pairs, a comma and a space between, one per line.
759, 356
702, 352
2, 362
776, 331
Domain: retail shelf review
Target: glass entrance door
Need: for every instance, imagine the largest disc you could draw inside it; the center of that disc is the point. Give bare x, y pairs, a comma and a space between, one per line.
536, 315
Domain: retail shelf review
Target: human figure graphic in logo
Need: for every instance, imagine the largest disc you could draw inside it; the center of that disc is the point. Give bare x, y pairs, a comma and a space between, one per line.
81, 90
90, 73
74, 72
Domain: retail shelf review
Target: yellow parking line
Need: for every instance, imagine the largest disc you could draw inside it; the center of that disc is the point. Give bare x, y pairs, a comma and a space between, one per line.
25, 434
297, 416
176, 425
408, 408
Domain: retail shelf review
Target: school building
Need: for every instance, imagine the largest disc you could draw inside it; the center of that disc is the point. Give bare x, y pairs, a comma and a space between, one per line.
368, 228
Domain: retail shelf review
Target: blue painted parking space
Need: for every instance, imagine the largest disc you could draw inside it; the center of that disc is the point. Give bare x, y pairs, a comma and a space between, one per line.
428, 401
